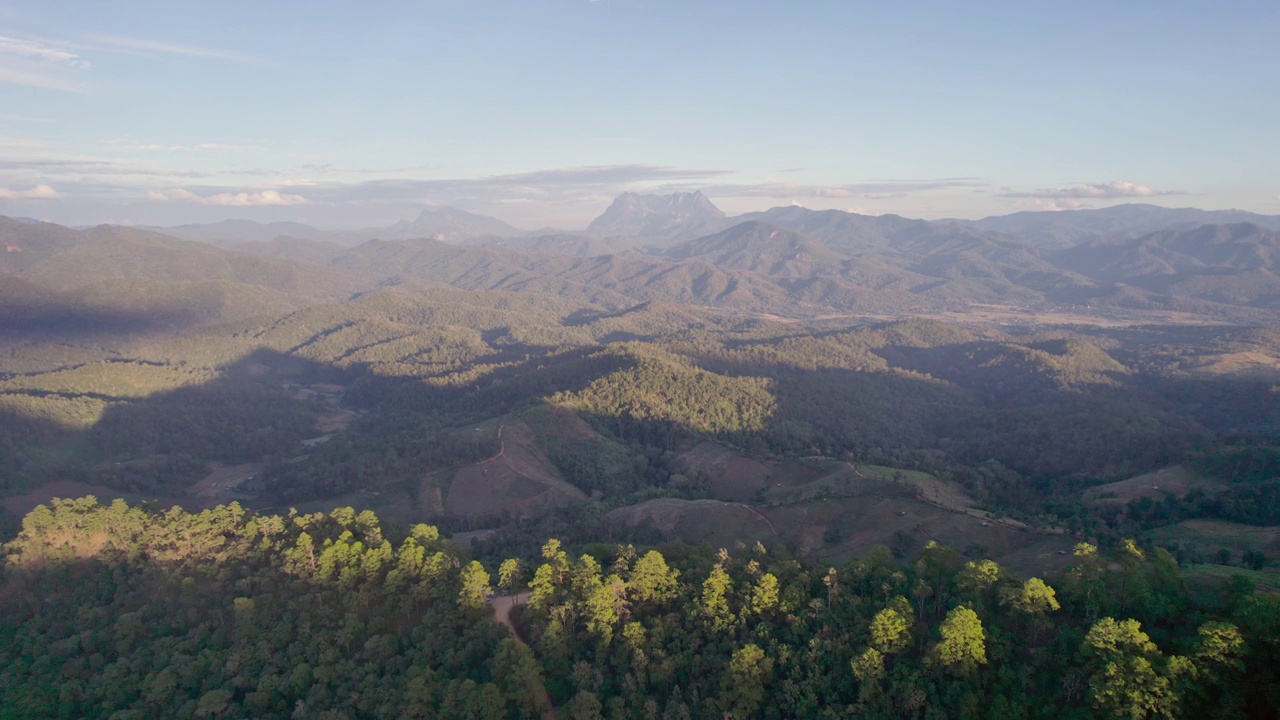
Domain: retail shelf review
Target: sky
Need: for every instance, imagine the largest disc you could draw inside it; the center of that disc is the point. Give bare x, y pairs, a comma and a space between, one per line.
539, 112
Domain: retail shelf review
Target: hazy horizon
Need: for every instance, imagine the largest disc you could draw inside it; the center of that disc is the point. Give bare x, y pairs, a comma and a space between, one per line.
156, 115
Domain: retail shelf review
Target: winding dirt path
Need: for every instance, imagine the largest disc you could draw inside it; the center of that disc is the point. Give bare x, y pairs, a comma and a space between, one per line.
502, 606
502, 447
760, 515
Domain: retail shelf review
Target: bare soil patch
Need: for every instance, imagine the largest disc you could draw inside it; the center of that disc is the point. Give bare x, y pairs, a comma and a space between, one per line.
926, 487
560, 422
519, 479
464, 539
713, 521
843, 515
844, 527
739, 478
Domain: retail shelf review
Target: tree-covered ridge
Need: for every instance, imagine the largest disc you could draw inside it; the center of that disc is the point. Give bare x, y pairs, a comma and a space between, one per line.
750, 635
663, 388
128, 612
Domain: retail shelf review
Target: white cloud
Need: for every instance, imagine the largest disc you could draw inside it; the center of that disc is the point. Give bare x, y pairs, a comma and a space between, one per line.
37, 63
1094, 191
19, 76
43, 52
127, 145
13, 143
144, 45
1059, 204
227, 199
39, 192
224, 147
875, 189
833, 192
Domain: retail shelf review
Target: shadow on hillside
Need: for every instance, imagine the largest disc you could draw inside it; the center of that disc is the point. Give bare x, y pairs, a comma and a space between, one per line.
318, 430
322, 431
52, 319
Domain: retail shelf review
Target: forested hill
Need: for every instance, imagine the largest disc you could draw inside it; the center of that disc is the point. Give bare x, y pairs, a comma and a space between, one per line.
120, 612
1112, 431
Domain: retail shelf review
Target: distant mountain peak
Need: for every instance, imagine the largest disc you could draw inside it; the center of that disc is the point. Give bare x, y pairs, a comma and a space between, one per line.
680, 215
450, 224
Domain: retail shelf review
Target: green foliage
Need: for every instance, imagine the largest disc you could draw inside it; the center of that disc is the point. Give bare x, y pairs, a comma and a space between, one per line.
963, 645
764, 595
651, 580
128, 612
475, 586
662, 388
1128, 683
119, 610
1033, 597
890, 631
715, 599
510, 575
749, 672
869, 666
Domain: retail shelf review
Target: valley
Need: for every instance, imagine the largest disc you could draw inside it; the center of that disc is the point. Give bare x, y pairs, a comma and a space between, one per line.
795, 391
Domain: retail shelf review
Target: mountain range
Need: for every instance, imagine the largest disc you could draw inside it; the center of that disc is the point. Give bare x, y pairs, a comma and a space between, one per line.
786, 261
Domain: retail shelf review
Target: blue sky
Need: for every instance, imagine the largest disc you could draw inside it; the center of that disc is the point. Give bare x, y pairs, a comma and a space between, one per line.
539, 112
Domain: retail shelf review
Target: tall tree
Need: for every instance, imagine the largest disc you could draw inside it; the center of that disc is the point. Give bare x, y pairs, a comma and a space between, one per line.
475, 588
744, 688
963, 646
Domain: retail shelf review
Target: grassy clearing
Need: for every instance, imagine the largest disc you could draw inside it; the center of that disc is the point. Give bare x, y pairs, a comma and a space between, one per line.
1208, 536
1263, 579
1174, 479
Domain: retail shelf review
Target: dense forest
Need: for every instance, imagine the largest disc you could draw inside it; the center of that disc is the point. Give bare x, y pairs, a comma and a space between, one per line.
132, 612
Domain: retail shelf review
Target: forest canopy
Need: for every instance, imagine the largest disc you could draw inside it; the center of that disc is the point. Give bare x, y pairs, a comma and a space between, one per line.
130, 612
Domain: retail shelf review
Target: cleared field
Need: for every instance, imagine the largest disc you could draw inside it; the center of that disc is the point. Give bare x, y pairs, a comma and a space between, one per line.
837, 528
836, 510
219, 483
1249, 363
927, 487
739, 478
464, 539
1269, 581
713, 521
334, 420
519, 479
1209, 536
1174, 479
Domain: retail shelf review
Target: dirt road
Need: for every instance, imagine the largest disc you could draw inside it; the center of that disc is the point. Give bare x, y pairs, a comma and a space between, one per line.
502, 606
